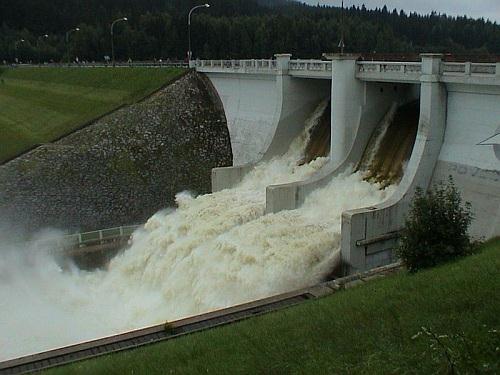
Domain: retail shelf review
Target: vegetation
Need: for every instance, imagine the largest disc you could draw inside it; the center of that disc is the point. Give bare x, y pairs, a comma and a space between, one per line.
433, 322
40, 105
436, 229
228, 29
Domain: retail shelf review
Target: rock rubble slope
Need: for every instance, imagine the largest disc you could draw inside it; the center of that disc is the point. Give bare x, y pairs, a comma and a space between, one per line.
123, 168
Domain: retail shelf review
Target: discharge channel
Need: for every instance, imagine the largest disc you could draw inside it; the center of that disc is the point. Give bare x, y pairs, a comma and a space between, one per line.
210, 252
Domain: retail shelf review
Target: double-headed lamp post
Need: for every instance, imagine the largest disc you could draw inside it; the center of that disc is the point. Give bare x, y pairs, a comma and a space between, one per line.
67, 40
112, 37
190, 54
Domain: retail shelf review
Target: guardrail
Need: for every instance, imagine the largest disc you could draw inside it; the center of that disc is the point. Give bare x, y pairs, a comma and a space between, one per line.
138, 64
410, 71
237, 65
468, 68
310, 65
86, 239
389, 67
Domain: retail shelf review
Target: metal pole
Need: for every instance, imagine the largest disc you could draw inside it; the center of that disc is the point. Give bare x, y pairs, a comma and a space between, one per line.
67, 41
112, 38
341, 43
38, 46
15, 49
190, 53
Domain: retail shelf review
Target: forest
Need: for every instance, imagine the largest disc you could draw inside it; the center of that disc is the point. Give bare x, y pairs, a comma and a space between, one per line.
42, 31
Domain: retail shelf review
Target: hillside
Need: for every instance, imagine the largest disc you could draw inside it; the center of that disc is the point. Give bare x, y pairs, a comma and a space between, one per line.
124, 167
228, 29
40, 105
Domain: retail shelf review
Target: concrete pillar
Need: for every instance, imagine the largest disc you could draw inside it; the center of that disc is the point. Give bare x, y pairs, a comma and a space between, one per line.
432, 123
431, 63
367, 232
282, 61
347, 99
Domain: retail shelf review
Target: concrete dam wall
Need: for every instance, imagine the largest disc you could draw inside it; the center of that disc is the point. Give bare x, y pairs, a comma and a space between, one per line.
470, 154
265, 112
458, 125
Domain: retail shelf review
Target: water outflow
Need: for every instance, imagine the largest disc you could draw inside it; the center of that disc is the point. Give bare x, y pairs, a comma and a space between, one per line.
391, 144
212, 251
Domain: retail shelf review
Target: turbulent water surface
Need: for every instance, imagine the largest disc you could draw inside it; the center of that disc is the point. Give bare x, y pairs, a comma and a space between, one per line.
210, 252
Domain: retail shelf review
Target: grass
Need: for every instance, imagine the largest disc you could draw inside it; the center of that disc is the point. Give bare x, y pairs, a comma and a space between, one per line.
39, 105
363, 330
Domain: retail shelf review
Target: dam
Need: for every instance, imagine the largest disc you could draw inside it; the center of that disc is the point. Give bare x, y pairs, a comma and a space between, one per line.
294, 210
457, 134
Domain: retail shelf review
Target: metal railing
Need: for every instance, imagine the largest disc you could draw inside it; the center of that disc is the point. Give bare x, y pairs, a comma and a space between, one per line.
138, 64
88, 238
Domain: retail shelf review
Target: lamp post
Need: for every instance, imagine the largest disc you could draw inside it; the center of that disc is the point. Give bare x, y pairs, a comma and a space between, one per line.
341, 43
112, 38
44, 36
67, 40
15, 48
189, 26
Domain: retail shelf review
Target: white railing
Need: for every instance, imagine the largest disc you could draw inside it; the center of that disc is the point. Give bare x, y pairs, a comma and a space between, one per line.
237, 65
368, 70
488, 69
310, 65
297, 66
389, 67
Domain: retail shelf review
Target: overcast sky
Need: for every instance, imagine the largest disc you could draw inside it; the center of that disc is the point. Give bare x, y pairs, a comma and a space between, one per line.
473, 8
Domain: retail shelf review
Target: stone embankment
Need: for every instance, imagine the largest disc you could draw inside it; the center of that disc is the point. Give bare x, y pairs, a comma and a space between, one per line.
124, 167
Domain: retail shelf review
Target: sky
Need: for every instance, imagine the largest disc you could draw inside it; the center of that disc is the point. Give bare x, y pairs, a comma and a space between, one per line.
489, 9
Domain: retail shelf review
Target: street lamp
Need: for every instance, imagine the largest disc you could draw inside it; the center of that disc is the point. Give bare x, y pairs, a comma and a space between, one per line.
44, 36
189, 26
16, 43
67, 40
112, 38
341, 43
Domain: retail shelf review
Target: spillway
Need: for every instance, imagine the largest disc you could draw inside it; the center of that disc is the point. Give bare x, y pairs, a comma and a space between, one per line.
391, 144
212, 251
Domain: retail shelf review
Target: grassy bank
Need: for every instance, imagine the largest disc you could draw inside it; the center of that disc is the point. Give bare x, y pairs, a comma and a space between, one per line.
370, 329
39, 105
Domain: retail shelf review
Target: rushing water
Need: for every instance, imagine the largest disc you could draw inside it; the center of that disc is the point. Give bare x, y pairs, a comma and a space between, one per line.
212, 251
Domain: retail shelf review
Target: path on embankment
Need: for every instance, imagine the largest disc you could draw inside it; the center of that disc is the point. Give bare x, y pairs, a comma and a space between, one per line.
125, 166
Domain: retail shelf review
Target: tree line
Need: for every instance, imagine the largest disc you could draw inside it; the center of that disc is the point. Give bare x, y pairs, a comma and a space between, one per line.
33, 30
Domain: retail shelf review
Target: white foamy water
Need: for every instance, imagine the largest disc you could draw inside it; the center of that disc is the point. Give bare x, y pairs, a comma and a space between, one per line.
212, 251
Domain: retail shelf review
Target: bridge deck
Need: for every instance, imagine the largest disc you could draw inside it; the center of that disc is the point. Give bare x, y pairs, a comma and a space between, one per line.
379, 71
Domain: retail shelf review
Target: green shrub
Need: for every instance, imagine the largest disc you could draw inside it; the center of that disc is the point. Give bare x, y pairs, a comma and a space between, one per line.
436, 228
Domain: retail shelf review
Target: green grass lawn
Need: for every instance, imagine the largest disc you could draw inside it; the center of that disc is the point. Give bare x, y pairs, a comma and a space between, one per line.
364, 330
39, 105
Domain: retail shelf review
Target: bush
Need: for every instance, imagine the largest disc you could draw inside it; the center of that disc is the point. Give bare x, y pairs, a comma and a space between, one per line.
436, 228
